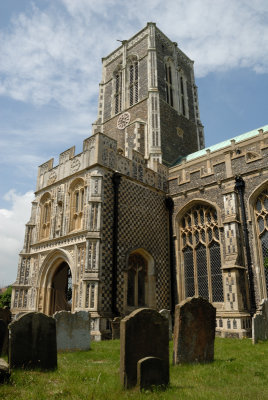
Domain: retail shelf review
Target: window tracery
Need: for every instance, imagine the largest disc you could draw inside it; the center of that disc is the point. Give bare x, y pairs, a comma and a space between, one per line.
118, 92
169, 87
133, 83
45, 204
261, 218
136, 280
201, 256
77, 191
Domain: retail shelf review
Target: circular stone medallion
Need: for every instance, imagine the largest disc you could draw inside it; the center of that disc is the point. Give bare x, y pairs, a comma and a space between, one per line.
123, 120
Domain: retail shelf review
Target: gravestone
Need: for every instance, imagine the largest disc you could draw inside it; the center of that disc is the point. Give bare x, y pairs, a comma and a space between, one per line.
143, 333
3, 336
166, 313
5, 319
73, 330
4, 371
32, 342
116, 328
151, 373
260, 323
194, 331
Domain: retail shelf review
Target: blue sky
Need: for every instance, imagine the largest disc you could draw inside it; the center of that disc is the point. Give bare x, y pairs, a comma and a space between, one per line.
50, 68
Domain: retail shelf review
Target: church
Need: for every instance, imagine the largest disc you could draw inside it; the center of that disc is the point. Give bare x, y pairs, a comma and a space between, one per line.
145, 215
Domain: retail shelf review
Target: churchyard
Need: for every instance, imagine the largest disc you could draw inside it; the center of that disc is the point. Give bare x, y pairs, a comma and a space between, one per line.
54, 357
239, 371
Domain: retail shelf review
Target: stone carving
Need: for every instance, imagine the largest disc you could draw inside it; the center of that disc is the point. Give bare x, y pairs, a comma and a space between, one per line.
32, 342
123, 120
75, 165
260, 323
144, 333
73, 330
166, 313
151, 373
194, 331
52, 177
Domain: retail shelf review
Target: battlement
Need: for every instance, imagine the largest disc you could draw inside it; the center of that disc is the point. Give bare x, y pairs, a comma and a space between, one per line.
232, 157
102, 150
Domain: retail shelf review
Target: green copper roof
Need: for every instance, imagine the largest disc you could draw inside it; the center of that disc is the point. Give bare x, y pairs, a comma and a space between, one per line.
221, 145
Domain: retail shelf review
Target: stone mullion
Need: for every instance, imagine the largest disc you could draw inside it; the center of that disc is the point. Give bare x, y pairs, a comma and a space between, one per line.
209, 266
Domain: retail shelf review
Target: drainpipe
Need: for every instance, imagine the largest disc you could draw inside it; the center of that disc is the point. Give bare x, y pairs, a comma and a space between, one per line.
240, 187
169, 203
116, 178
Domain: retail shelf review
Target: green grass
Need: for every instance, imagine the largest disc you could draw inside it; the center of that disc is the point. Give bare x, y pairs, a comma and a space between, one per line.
238, 372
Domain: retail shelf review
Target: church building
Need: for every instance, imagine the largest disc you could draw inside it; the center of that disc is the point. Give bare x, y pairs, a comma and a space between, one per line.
145, 216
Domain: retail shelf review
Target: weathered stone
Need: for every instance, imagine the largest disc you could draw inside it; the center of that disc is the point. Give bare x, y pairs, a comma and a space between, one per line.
3, 336
166, 313
151, 372
4, 371
194, 331
144, 333
5, 319
32, 342
116, 328
260, 323
73, 330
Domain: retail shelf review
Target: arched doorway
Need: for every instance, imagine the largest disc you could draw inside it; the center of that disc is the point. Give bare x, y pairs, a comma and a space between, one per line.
61, 289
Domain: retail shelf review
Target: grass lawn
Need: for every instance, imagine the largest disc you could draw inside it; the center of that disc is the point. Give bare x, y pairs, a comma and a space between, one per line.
239, 372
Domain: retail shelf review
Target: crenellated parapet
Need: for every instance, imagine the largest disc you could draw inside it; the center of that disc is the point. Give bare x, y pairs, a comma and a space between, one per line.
102, 150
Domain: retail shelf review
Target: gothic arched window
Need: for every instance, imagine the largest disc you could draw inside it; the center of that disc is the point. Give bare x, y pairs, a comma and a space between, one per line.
136, 280
133, 83
182, 94
261, 217
169, 84
45, 204
118, 92
77, 191
201, 256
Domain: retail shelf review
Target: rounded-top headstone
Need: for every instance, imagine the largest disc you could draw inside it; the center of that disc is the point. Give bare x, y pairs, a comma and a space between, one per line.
194, 331
143, 333
32, 342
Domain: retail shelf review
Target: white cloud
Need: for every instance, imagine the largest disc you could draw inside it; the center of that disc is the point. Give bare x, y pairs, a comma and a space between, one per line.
12, 227
54, 54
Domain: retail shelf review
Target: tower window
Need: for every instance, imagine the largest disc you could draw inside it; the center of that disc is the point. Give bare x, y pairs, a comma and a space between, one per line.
133, 83
169, 89
118, 92
182, 96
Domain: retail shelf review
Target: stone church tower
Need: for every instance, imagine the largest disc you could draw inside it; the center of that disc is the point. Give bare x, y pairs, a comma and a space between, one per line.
148, 99
144, 215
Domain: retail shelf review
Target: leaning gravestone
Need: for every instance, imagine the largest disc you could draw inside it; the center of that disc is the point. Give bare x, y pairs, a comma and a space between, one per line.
143, 333
166, 313
5, 319
260, 323
73, 330
194, 331
32, 342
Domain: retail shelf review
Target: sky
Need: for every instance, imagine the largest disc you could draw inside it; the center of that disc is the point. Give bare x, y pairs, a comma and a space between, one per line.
50, 68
